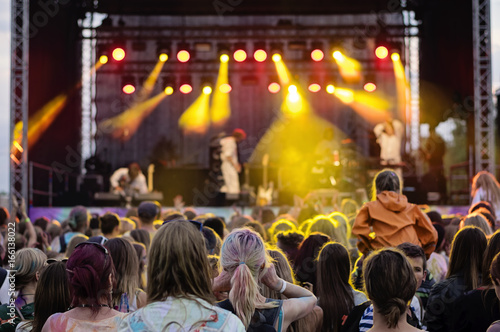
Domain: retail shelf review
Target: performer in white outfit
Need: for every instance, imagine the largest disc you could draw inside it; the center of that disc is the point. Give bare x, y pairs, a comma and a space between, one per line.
129, 181
389, 135
230, 166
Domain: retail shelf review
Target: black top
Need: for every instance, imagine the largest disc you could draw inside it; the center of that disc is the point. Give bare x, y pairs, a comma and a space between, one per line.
475, 311
263, 319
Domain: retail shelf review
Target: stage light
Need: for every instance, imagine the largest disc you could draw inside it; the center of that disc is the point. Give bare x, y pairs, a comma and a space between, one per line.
381, 52
128, 89
163, 50
224, 58
274, 87
260, 55
118, 54
207, 90
370, 87
240, 55
330, 89
317, 55
163, 57
169, 90
128, 84
292, 89
395, 57
185, 88
103, 59
183, 56
314, 87
337, 55
225, 88
277, 51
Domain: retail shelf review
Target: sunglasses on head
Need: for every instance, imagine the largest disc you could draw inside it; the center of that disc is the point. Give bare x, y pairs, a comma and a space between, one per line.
100, 246
53, 260
197, 224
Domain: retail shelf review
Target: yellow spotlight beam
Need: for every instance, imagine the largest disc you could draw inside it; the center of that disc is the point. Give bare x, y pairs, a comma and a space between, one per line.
370, 106
150, 82
45, 116
349, 68
402, 86
196, 118
124, 125
220, 111
283, 73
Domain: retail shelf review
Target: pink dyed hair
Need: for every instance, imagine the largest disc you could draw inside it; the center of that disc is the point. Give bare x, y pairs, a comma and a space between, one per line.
245, 258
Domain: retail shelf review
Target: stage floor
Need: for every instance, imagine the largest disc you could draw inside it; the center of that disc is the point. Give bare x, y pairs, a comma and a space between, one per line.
62, 213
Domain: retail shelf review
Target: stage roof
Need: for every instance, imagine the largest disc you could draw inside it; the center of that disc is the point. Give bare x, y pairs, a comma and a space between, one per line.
248, 7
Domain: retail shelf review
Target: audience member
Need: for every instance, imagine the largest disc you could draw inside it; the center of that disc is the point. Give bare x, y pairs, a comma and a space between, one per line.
52, 295
390, 284
485, 187
477, 309
148, 212
337, 297
289, 242
392, 218
141, 236
495, 276
245, 262
179, 286
464, 275
305, 265
29, 262
217, 224
127, 296
110, 225
91, 276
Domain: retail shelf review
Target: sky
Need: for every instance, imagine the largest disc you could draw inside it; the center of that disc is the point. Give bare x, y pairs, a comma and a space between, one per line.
5, 79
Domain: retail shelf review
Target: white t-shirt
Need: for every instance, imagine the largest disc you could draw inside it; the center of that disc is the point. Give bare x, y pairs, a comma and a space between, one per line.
138, 185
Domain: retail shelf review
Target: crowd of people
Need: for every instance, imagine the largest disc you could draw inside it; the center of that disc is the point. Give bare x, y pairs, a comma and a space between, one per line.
386, 265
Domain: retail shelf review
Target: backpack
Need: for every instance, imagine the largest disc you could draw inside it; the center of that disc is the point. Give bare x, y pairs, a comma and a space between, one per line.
351, 324
262, 320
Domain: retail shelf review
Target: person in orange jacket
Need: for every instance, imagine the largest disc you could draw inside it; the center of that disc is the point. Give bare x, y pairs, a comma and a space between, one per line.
390, 220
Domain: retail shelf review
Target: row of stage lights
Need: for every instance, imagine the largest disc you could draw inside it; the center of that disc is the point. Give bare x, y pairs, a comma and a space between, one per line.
118, 54
273, 87
240, 55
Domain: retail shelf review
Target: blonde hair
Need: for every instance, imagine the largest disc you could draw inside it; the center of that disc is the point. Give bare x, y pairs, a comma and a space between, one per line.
178, 265
283, 270
476, 219
29, 261
490, 185
245, 258
126, 265
280, 226
332, 227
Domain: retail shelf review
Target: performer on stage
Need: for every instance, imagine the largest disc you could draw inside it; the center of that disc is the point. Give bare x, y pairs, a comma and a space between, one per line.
229, 157
389, 135
129, 181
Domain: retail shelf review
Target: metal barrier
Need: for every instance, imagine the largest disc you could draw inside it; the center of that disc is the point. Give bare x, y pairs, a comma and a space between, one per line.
50, 191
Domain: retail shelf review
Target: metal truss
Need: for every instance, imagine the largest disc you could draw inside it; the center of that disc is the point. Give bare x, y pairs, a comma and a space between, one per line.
19, 98
483, 99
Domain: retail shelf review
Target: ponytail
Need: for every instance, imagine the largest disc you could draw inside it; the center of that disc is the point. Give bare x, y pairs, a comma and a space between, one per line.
243, 292
392, 310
